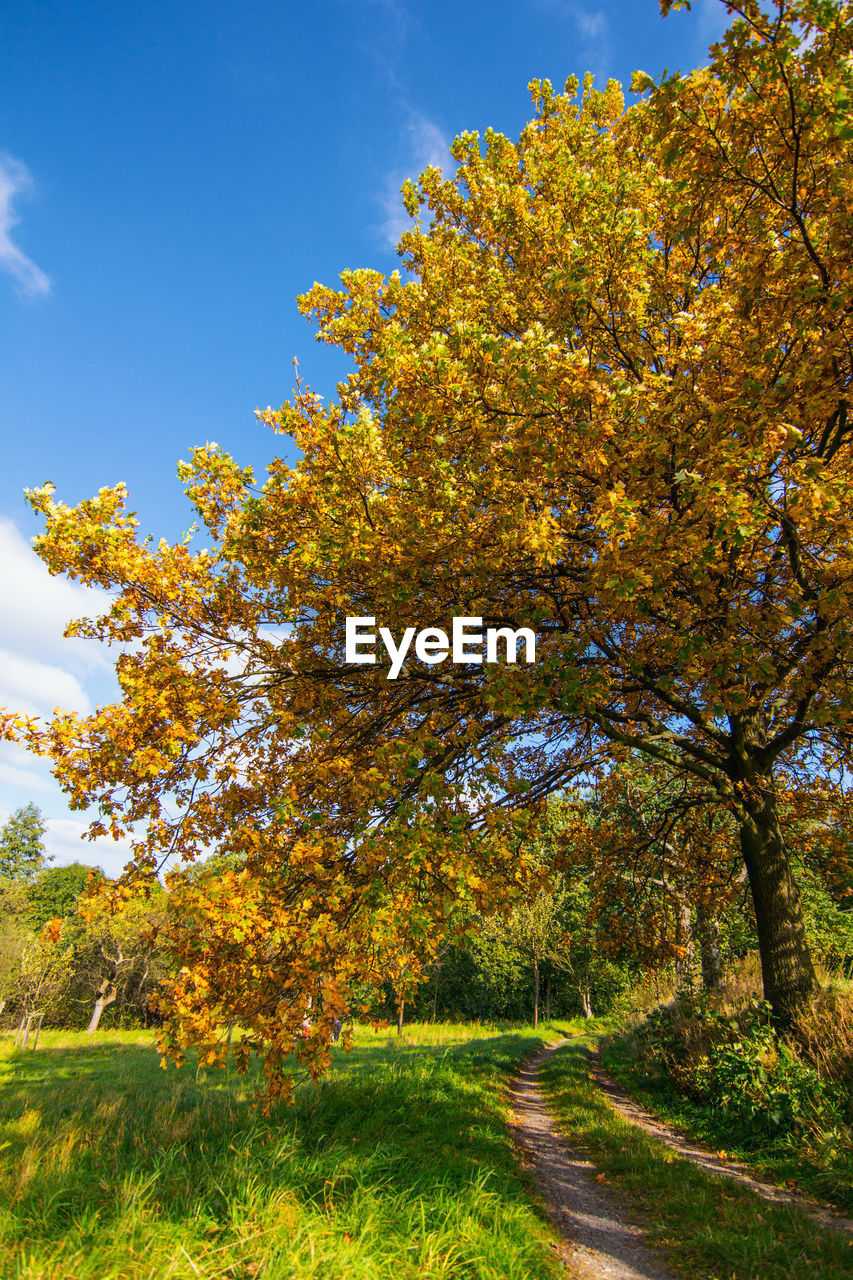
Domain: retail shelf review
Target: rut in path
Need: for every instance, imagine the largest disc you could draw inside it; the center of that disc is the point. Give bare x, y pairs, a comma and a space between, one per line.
600, 1243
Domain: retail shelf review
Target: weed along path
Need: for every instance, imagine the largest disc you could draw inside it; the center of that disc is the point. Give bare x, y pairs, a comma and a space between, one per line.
601, 1244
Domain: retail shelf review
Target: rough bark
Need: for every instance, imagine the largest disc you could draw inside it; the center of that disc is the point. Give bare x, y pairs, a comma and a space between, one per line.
586, 1002
786, 964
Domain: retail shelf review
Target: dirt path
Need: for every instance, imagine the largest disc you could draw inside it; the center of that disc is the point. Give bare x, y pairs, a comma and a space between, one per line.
600, 1243
630, 1109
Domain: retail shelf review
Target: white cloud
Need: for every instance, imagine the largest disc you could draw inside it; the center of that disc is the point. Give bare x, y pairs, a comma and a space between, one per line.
15, 180
37, 607
21, 774
427, 146
64, 841
41, 670
37, 688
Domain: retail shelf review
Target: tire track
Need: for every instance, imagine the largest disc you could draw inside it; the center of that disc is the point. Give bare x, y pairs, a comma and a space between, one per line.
631, 1110
600, 1242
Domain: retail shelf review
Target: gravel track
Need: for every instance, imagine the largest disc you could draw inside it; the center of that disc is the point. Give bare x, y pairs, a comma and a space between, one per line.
600, 1242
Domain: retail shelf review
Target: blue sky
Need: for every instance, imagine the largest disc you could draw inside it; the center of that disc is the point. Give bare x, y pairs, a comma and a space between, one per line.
172, 175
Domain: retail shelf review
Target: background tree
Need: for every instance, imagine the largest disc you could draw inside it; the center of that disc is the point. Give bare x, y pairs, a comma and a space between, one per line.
55, 891
534, 932
14, 936
115, 957
41, 979
663, 867
22, 853
609, 405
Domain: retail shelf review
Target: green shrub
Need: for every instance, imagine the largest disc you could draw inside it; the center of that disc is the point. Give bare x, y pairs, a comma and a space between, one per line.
737, 1064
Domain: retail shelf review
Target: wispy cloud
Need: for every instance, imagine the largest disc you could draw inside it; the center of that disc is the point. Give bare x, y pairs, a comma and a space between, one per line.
420, 143
712, 20
15, 181
591, 25
426, 146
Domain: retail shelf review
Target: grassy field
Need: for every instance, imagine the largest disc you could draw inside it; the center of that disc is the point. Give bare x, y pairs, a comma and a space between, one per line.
713, 1229
399, 1165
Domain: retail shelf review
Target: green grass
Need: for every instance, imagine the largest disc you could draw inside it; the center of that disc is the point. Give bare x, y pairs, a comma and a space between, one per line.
398, 1165
712, 1228
826, 1173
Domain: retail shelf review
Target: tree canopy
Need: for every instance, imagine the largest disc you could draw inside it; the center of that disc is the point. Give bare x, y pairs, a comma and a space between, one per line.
54, 893
608, 401
22, 853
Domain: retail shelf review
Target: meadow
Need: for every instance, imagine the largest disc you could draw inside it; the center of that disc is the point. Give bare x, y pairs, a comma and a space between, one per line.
399, 1164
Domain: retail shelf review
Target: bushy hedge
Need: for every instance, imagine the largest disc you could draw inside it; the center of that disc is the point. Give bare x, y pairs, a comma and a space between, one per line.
738, 1064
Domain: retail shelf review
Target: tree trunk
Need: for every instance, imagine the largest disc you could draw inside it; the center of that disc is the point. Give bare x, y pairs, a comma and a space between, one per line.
400, 1007
536, 993
786, 964
684, 942
106, 994
586, 1002
435, 990
548, 999
708, 929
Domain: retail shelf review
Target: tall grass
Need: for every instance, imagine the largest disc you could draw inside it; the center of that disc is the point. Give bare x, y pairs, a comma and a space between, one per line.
398, 1165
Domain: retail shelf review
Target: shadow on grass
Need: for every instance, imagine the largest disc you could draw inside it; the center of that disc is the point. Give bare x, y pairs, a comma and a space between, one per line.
90, 1130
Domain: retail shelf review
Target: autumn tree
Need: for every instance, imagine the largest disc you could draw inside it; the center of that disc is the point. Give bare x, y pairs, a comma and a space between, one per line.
609, 404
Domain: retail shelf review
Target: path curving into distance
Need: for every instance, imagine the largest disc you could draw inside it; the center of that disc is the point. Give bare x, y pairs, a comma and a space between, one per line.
600, 1243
